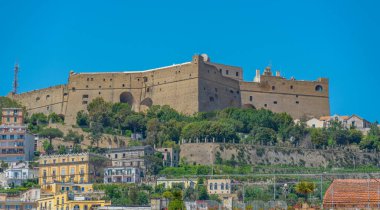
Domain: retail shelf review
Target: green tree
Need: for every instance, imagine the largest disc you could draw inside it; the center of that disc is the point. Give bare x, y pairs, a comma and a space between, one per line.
319, 137
202, 190
83, 119
55, 118
372, 139
62, 149
305, 188
264, 135
154, 163
177, 202
76, 148
51, 133
73, 136
48, 147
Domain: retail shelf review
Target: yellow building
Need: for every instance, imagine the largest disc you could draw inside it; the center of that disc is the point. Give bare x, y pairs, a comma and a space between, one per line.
69, 201
79, 168
69, 187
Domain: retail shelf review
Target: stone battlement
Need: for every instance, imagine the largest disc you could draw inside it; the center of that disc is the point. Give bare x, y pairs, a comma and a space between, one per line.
198, 85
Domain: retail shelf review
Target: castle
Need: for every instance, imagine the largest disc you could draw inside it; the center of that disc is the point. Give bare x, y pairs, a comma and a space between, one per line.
196, 86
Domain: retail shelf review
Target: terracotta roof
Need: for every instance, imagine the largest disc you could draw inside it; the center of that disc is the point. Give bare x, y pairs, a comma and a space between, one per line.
353, 193
325, 118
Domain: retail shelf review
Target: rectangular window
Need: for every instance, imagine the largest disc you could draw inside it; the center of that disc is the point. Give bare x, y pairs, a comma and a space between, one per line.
15, 119
227, 72
8, 119
72, 172
250, 98
237, 74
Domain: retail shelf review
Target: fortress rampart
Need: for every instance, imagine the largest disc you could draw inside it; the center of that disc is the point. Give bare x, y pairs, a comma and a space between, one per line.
198, 85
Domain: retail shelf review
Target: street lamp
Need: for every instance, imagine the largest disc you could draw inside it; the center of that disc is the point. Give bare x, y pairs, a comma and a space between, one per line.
285, 190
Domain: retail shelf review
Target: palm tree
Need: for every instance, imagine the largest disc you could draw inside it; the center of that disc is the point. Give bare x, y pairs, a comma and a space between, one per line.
305, 188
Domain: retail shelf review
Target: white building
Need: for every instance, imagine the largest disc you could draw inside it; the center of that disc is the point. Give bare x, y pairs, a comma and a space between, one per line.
17, 173
315, 123
348, 122
121, 174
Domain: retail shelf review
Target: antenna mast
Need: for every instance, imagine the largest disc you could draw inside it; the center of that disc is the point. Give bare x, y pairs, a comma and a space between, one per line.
15, 82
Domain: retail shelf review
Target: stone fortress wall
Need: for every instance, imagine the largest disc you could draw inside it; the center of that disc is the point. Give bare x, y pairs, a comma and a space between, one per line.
198, 85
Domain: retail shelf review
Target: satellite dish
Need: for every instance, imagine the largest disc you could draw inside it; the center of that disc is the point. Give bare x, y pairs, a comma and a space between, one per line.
205, 57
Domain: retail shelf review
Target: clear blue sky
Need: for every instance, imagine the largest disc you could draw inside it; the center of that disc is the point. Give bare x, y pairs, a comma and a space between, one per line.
306, 39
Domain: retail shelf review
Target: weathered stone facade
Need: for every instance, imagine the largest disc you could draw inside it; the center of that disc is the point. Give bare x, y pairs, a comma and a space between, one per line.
199, 85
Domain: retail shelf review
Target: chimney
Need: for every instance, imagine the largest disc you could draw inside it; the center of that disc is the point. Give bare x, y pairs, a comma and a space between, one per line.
278, 74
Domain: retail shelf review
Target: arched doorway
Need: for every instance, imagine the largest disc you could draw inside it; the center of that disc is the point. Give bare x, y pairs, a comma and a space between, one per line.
145, 104
126, 97
248, 106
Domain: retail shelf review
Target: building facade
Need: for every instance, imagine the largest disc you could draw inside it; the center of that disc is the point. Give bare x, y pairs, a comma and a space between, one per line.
79, 168
219, 186
186, 182
170, 156
16, 174
70, 201
16, 144
196, 86
121, 174
130, 157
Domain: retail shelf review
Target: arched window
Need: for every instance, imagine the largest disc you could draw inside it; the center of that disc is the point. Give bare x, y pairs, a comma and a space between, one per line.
210, 186
215, 186
227, 186
222, 186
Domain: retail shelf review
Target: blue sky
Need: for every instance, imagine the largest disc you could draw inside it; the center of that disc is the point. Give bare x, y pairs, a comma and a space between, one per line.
304, 39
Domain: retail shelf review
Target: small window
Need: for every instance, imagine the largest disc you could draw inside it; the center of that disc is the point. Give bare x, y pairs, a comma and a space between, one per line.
237, 74
210, 186
73, 89
275, 102
145, 79
319, 88
86, 86
104, 80
48, 96
265, 105
215, 186
92, 79
227, 72
297, 102
147, 89
212, 99
250, 98
84, 96
123, 85
100, 87
273, 88
291, 87
84, 102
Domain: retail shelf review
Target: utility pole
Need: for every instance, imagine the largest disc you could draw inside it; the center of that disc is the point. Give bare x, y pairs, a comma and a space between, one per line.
15, 81
274, 188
